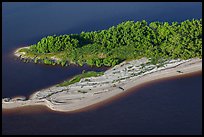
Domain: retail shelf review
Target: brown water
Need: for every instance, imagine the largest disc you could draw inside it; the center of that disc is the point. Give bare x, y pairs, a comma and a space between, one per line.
169, 107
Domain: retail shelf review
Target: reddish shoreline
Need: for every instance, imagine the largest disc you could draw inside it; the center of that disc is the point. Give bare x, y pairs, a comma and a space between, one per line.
42, 108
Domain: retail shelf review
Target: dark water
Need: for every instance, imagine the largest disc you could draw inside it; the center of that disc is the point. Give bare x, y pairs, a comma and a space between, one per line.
26, 23
167, 107
173, 108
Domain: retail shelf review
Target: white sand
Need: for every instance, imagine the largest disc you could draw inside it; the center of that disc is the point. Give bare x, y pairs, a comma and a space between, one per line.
99, 89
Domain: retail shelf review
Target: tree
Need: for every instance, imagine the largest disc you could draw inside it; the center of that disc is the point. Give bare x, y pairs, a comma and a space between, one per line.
127, 40
98, 62
90, 62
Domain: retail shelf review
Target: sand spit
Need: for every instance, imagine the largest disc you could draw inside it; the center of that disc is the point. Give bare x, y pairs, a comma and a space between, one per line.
22, 55
19, 54
93, 90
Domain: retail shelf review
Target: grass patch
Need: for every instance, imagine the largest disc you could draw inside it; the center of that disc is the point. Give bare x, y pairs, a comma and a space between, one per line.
23, 50
77, 78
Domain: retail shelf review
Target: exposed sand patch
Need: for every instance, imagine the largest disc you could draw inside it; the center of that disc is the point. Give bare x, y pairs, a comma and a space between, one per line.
93, 90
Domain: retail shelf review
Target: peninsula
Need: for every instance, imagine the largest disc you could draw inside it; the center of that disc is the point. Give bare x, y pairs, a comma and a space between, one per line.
135, 51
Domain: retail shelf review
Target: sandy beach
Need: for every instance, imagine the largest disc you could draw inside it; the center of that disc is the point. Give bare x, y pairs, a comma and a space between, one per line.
18, 54
93, 90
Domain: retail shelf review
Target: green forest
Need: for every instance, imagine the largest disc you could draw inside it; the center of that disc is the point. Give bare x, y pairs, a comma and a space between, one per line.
126, 41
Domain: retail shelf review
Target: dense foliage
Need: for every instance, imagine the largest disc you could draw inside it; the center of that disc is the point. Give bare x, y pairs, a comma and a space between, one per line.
128, 40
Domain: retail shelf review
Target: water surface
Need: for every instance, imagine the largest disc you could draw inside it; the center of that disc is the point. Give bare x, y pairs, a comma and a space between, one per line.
26, 23
169, 107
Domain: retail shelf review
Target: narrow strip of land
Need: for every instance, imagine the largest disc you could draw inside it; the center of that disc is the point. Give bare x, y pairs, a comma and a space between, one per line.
92, 90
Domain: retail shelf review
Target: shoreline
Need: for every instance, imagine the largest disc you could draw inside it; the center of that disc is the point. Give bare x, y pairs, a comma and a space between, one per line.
43, 108
17, 54
22, 56
69, 99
